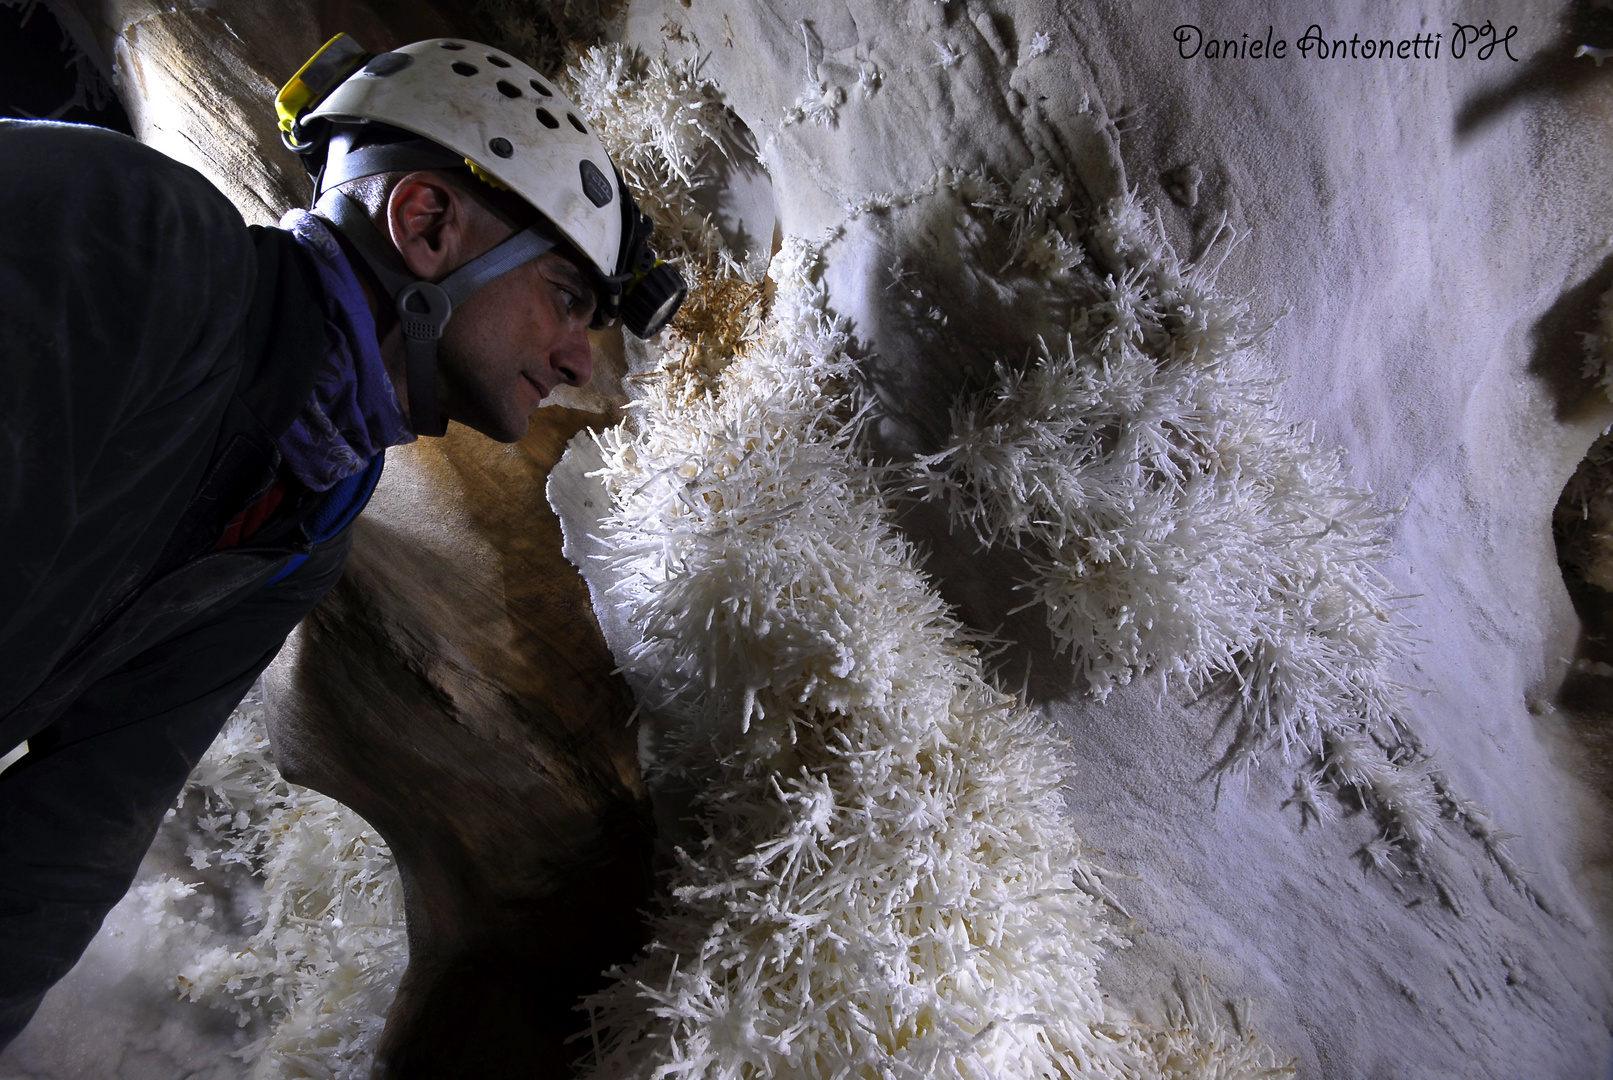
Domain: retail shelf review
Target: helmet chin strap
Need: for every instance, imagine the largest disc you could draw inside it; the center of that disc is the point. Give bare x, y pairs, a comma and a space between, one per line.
424, 308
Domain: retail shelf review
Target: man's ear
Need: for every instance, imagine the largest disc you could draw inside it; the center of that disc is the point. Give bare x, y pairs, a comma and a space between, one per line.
426, 218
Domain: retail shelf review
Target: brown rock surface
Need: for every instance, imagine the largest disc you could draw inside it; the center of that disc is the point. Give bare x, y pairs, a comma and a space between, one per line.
455, 690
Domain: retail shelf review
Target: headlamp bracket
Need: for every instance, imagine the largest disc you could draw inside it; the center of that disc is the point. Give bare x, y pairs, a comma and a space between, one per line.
646, 291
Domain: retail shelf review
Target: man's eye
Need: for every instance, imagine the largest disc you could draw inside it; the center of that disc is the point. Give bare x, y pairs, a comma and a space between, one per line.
582, 303
572, 299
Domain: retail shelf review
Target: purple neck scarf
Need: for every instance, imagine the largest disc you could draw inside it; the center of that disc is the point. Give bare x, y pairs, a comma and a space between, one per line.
353, 413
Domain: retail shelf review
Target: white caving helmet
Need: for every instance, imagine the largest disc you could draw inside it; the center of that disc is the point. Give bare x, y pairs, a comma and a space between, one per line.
446, 103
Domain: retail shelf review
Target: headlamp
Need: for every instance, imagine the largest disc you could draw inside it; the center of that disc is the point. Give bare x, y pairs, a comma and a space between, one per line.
651, 301
646, 292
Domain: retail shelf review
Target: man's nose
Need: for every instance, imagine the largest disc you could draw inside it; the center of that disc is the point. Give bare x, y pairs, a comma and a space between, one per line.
573, 358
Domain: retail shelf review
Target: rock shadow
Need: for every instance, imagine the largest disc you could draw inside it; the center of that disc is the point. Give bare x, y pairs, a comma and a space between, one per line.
735, 191
979, 585
937, 303
1553, 72
1557, 351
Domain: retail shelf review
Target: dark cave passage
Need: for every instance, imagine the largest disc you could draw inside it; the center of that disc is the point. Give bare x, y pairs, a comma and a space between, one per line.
1583, 528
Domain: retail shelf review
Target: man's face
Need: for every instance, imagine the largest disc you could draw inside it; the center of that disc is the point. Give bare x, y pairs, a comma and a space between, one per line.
513, 340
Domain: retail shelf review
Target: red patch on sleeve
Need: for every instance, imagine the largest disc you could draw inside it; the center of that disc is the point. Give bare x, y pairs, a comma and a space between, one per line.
250, 520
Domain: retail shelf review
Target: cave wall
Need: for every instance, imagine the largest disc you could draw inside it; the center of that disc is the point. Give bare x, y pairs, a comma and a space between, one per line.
1431, 238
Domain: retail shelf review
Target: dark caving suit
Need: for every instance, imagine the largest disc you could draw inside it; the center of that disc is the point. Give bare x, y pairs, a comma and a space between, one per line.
152, 350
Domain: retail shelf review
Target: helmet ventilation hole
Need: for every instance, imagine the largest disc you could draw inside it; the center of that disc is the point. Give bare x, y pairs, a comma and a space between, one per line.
546, 119
501, 146
507, 90
452, 46
497, 61
387, 63
462, 68
540, 88
576, 123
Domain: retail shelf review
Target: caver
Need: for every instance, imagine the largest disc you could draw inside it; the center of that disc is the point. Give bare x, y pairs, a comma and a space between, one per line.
193, 412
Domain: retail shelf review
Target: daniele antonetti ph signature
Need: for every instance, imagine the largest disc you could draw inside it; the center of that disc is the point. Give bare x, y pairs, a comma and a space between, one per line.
1476, 39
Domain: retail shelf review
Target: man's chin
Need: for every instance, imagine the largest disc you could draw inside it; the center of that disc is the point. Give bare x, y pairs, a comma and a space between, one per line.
510, 435
499, 429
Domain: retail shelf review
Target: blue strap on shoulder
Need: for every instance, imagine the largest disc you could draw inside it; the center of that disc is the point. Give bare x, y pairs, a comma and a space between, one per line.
337, 510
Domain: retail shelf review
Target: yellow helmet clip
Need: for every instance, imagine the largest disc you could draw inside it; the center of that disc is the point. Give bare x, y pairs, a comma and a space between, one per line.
325, 71
486, 177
